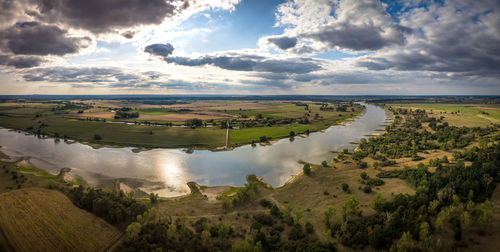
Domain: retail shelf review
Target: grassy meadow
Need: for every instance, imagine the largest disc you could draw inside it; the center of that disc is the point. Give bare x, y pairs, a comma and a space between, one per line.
470, 115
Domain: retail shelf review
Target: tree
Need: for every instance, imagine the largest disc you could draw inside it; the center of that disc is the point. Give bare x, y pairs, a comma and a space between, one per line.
350, 209
425, 236
406, 243
132, 232
97, 137
307, 169
153, 198
378, 202
324, 163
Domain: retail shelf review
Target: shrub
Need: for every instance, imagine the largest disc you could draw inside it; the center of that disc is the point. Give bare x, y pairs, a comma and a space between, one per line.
324, 163
264, 219
97, 137
362, 164
309, 228
345, 188
307, 169
367, 189
363, 175
275, 211
266, 203
296, 233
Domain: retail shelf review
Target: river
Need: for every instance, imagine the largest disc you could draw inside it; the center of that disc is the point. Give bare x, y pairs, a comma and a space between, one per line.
166, 171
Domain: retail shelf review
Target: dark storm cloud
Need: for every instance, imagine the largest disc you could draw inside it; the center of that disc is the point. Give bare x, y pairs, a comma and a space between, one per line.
162, 50
248, 62
283, 42
19, 61
100, 16
33, 38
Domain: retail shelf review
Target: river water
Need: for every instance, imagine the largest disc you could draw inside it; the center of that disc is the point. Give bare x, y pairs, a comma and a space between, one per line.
166, 171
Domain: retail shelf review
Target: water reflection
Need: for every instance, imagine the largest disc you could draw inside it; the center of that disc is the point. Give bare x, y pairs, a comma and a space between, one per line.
166, 171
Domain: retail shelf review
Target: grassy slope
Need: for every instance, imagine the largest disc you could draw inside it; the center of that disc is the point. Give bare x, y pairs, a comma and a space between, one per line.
37, 219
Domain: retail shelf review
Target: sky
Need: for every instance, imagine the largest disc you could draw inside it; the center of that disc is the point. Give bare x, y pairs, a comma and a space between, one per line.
327, 47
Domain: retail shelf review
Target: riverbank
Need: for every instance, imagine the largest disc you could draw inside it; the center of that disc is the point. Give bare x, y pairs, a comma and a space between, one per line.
166, 171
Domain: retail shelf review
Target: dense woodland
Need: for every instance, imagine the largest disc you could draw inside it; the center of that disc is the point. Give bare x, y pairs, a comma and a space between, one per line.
452, 197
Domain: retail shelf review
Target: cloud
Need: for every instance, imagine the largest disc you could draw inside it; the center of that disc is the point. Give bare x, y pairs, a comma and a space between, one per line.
318, 26
237, 61
101, 16
283, 42
33, 38
128, 34
460, 40
114, 78
20, 61
95, 75
162, 50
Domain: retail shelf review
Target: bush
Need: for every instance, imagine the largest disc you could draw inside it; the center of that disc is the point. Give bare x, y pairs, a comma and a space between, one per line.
375, 182
324, 163
362, 164
345, 188
275, 211
307, 169
364, 176
264, 219
367, 189
309, 228
97, 137
266, 203
296, 233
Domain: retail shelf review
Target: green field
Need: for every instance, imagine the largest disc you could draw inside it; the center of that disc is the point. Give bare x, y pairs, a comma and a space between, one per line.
471, 115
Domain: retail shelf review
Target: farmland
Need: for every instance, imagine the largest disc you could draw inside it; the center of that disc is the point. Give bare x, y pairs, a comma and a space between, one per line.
189, 124
38, 219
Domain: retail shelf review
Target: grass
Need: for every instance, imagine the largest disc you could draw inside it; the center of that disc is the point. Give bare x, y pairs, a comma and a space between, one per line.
38, 219
37, 172
154, 111
23, 118
470, 115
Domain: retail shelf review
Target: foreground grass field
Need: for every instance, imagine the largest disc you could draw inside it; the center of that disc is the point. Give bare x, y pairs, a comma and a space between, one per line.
469, 115
38, 219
